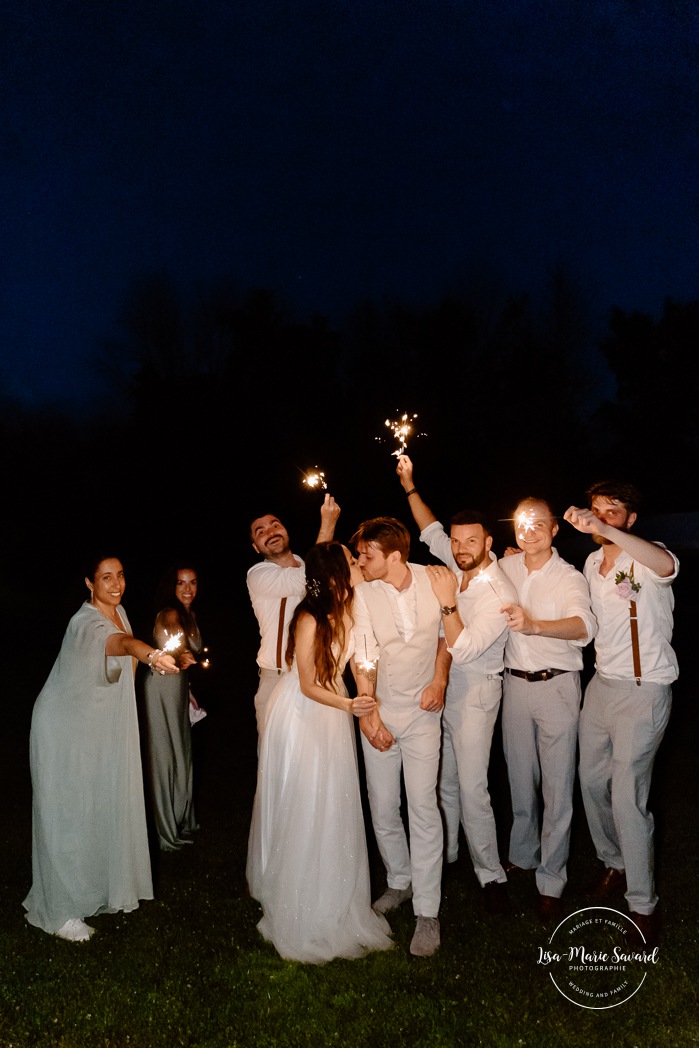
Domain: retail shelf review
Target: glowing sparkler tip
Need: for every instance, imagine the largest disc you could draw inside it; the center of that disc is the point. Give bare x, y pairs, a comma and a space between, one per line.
315, 479
173, 642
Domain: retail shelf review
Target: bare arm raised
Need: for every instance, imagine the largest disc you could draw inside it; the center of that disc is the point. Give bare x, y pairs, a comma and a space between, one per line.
652, 556
329, 516
422, 514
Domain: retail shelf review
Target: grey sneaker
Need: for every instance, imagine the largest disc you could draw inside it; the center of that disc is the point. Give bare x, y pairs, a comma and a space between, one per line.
392, 898
426, 938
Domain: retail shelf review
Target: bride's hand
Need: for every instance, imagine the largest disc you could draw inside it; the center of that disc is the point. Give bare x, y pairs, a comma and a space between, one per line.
362, 705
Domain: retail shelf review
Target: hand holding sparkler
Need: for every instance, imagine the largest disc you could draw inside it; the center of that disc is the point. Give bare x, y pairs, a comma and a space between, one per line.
518, 621
404, 469
329, 516
584, 520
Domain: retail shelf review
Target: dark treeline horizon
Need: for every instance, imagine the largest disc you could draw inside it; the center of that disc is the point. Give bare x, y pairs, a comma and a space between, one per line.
230, 399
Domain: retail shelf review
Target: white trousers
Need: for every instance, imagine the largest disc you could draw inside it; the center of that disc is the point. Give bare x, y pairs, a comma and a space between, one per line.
539, 734
621, 727
468, 721
416, 751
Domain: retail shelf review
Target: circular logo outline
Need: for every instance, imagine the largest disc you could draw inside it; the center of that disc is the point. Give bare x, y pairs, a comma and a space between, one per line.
624, 928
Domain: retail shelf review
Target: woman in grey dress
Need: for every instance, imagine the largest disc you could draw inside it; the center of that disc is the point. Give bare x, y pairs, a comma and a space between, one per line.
166, 710
89, 839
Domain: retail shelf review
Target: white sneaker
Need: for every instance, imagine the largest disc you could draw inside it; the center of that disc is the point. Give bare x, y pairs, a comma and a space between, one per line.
75, 930
391, 899
426, 938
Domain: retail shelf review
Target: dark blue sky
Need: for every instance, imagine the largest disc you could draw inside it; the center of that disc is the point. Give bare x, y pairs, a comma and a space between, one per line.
332, 151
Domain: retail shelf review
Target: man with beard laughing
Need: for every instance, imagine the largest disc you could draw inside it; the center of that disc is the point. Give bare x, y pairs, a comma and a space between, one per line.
276, 586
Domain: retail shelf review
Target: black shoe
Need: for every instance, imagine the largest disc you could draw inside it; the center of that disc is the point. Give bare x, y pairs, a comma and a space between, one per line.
495, 898
548, 908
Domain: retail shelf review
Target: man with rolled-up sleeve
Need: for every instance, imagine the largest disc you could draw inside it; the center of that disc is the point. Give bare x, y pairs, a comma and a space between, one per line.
627, 702
471, 596
276, 585
549, 625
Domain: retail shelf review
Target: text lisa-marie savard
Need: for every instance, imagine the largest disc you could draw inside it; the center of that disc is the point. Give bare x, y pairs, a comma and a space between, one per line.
581, 955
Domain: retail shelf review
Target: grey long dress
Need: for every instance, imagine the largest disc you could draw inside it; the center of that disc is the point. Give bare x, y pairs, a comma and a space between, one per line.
169, 752
89, 837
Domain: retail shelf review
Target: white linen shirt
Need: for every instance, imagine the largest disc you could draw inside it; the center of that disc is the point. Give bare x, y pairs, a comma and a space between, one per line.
555, 591
403, 605
481, 643
268, 583
654, 605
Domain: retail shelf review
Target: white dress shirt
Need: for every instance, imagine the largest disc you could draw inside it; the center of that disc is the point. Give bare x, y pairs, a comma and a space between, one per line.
555, 591
482, 640
268, 584
654, 605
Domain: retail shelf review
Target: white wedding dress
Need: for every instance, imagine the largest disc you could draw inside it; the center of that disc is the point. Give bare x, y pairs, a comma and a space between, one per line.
307, 859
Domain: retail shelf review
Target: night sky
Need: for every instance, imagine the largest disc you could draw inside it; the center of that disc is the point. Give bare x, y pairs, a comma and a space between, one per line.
333, 151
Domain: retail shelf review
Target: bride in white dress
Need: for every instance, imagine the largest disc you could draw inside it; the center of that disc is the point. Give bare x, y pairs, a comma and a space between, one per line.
307, 858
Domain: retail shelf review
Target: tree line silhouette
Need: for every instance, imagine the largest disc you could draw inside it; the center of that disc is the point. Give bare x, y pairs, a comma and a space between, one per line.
228, 397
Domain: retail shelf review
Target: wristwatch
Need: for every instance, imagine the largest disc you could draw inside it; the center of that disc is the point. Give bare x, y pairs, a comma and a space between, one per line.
448, 611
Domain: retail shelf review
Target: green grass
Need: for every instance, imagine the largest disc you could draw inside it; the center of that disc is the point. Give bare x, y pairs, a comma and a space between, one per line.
190, 968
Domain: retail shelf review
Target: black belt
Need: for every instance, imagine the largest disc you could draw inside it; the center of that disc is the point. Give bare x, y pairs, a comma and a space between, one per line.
539, 675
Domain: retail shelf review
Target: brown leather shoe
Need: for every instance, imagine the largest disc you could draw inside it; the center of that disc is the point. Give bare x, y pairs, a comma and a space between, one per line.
548, 908
495, 898
512, 870
649, 924
613, 882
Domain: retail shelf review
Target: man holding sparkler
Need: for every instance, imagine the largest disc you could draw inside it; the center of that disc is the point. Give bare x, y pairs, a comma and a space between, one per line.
549, 624
627, 702
276, 585
397, 624
475, 630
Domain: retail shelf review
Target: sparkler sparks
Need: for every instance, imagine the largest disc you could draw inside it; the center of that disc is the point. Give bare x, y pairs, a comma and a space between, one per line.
401, 428
172, 643
314, 479
366, 665
525, 521
482, 577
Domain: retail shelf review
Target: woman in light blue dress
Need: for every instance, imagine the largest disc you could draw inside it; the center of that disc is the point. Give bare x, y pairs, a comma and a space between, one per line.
89, 841
307, 857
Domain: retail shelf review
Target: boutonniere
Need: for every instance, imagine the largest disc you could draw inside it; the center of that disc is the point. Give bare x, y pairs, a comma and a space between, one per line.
627, 587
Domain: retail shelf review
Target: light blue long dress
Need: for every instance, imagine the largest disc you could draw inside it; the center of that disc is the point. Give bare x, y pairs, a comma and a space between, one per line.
89, 839
169, 751
307, 856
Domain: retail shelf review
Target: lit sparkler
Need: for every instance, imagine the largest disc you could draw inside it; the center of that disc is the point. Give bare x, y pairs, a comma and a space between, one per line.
314, 479
482, 577
401, 428
203, 658
366, 665
172, 643
525, 521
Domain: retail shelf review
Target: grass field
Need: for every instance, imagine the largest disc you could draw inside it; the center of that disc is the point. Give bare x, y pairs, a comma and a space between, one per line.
190, 969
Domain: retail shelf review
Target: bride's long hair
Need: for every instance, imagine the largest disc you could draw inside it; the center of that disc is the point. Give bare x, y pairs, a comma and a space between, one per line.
329, 595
